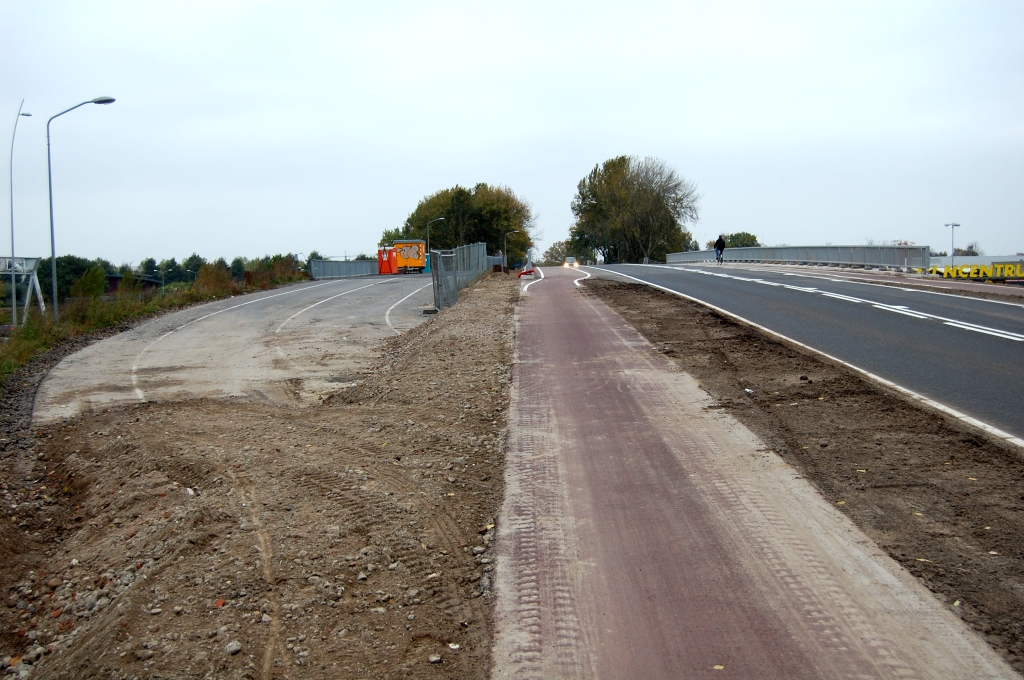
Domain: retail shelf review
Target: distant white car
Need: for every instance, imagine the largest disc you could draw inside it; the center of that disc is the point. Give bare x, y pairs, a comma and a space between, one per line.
570, 262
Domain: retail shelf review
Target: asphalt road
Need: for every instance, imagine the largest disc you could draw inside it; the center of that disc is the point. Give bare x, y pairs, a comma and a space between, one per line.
287, 345
965, 353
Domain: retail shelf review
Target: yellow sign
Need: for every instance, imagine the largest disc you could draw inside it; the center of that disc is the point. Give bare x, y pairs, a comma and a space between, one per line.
996, 270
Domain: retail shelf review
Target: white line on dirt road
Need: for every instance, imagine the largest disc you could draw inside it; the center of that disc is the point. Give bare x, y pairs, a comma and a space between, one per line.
1006, 436
328, 300
387, 314
135, 365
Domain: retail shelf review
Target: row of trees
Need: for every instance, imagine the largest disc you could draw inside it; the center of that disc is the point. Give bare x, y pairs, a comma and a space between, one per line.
629, 209
70, 269
460, 216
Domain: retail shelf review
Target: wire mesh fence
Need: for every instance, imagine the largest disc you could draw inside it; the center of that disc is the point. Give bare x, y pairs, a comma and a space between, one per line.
453, 270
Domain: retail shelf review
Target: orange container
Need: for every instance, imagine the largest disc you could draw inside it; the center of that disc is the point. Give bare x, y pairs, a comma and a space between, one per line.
412, 255
387, 260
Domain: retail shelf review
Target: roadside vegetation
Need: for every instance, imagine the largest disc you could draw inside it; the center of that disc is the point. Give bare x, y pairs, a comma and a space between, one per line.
741, 239
631, 209
460, 216
92, 301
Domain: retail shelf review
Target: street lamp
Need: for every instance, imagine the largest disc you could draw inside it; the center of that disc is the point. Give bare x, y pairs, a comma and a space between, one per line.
428, 238
507, 234
952, 256
161, 273
49, 175
193, 275
14, 283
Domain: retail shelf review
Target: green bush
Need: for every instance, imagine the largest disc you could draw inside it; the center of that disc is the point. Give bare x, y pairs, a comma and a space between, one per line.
92, 284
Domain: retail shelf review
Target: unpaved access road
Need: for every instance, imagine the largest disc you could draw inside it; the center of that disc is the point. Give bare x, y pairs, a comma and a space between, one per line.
267, 535
646, 533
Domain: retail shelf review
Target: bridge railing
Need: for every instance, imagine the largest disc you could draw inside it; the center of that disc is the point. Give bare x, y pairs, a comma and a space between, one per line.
905, 257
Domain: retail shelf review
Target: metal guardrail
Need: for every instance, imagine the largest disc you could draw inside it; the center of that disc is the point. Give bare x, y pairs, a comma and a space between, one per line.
453, 270
336, 269
907, 257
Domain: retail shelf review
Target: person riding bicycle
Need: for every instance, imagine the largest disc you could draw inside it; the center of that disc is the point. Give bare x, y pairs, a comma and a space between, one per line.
719, 249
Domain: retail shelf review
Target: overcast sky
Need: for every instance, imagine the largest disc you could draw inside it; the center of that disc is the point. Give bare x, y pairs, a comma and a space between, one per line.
245, 128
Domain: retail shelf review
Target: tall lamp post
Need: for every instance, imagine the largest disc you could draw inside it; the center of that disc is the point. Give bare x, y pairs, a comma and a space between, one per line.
438, 219
162, 281
507, 234
14, 282
952, 256
49, 175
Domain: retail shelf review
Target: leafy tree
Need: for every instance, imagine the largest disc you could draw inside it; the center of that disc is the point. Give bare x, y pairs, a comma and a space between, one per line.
192, 264
92, 284
171, 271
238, 268
972, 250
69, 270
629, 209
482, 214
364, 256
555, 254
146, 267
741, 239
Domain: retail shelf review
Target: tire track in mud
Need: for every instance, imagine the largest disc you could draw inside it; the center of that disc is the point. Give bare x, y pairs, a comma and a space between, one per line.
538, 630
273, 642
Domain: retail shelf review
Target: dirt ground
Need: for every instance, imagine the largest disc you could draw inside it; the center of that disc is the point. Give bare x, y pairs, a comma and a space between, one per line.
945, 501
240, 540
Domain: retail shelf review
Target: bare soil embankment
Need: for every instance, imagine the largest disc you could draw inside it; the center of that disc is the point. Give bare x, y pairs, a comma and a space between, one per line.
350, 539
944, 500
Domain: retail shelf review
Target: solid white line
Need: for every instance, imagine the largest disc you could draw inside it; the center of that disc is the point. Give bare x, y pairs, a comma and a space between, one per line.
135, 366
888, 383
843, 297
328, 300
984, 330
539, 271
582, 278
900, 311
387, 314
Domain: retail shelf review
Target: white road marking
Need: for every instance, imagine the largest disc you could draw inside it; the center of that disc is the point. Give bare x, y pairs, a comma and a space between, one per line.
1008, 336
994, 431
582, 278
877, 285
899, 309
135, 365
539, 271
328, 300
387, 314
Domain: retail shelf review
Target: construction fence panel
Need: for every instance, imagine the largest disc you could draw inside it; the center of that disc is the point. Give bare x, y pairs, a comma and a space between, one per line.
453, 270
900, 257
335, 269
